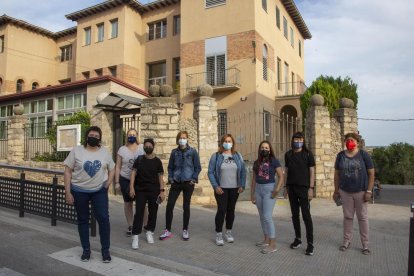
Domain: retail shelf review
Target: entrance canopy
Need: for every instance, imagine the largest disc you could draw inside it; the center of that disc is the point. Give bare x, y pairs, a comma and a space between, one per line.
116, 101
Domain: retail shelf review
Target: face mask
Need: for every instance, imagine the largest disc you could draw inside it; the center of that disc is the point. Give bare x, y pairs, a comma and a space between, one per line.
148, 150
297, 145
92, 141
227, 146
350, 145
182, 142
132, 139
264, 153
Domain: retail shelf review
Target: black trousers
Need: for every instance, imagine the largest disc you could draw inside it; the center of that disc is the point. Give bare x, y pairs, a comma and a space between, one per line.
141, 199
298, 198
174, 193
226, 204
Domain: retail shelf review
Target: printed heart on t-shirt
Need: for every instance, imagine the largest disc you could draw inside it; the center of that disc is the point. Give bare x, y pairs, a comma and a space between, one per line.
92, 168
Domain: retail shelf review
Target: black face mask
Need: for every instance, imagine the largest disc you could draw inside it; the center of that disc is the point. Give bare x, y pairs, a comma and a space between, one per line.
148, 150
265, 153
92, 141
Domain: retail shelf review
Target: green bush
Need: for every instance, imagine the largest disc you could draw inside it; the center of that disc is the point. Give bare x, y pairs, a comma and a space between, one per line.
331, 90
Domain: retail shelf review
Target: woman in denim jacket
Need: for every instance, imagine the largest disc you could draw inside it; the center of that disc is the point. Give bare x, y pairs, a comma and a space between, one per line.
183, 170
227, 175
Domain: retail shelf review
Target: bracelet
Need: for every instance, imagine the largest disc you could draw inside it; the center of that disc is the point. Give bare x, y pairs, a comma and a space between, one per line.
370, 192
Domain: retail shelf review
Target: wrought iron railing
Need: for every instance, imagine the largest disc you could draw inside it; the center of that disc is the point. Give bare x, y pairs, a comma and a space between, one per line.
215, 78
38, 198
3, 139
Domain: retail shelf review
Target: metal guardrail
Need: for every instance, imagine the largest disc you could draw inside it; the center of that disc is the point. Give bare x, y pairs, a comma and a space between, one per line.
229, 77
38, 198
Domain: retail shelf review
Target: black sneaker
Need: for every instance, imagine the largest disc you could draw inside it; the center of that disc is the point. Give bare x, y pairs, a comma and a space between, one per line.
129, 231
106, 257
296, 243
309, 250
86, 255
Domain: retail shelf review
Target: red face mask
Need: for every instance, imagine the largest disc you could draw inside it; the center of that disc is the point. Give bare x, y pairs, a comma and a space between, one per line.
350, 145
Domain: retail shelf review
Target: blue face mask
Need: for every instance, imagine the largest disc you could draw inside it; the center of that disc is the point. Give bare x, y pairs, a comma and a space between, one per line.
132, 139
182, 142
227, 146
297, 145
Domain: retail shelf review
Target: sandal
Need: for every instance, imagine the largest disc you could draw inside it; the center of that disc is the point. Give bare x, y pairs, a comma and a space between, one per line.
366, 251
268, 250
344, 247
262, 244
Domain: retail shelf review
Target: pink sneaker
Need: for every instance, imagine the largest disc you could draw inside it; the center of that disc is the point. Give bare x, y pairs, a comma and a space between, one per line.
165, 235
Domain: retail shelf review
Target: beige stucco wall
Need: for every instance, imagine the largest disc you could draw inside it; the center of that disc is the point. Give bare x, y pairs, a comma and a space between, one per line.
66, 69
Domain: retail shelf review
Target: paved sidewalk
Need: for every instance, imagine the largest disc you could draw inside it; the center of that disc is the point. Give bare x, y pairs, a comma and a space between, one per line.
389, 234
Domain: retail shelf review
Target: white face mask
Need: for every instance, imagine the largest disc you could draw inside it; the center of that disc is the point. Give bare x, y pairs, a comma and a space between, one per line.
182, 142
227, 146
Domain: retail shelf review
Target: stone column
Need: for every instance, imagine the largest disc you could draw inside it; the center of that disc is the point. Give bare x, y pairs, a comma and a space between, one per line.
104, 120
347, 117
205, 113
318, 132
159, 120
15, 139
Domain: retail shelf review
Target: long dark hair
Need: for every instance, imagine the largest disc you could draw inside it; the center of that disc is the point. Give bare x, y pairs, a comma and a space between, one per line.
260, 157
92, 128
299, 135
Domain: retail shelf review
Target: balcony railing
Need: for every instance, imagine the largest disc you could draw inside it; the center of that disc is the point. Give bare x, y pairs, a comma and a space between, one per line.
158, 81
286, 89
218, 79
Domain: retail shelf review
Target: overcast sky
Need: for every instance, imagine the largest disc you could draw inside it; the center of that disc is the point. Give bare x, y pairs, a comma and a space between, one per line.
371, 41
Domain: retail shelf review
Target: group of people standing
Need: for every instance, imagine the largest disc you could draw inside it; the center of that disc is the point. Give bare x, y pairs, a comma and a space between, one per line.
139, 176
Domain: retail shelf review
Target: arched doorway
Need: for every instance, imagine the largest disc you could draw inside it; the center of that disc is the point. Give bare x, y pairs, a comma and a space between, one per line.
289, 124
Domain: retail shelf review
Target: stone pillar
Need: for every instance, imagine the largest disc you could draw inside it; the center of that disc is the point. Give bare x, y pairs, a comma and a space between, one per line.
15, 139
318, 132
159, 120
347, 117
205, 113
104, 120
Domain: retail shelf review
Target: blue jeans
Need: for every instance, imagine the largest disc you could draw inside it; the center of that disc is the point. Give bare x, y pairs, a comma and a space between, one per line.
99, 202
265, 205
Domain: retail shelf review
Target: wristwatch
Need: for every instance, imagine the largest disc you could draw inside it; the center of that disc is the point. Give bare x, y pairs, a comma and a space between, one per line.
369, 191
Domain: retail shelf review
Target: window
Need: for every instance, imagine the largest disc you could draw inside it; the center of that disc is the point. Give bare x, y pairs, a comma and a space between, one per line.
278, 17
71, 102
19, 85
264, 5
279, 71
35, 85
157, 74
177, 69
114, 28
39, 106
286, 79
86, 75
2, 44
266, 125
222, 123
66, 53
292, 38
6, 110
293, 83
177, 25
112, 70
216, 70
213, 3
265, 62
157, 30
101, 32
300, 48
285, 27
64, 81
87, 36
39, 126
98, 72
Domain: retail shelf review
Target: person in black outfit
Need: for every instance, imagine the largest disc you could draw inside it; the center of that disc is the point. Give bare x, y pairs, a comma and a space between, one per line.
300, 170
147, 186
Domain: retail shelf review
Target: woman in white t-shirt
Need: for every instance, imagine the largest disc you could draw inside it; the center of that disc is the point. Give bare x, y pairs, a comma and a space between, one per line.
124, 160
89, 171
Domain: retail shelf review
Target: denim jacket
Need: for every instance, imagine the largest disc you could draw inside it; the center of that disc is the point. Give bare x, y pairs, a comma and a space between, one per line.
214, 169
184, 165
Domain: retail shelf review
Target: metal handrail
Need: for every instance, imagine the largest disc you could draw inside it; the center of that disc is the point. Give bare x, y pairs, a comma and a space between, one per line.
31, 169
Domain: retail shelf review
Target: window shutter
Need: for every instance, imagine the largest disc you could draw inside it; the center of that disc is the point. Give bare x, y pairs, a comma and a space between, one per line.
221, 70
211, 65
212, 3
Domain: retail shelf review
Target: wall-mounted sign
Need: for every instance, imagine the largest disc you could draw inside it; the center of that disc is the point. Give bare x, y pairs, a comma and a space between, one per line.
68, 137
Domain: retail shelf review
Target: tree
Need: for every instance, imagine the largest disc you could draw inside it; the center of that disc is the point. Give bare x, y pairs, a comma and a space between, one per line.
394, 164
331, 89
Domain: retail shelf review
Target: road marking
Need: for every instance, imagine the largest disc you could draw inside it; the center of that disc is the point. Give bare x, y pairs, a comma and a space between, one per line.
4, 271
117, 266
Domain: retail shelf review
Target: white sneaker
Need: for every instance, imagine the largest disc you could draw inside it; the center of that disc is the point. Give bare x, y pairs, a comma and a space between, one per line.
135, 239
186, 235
219, 239
229, 237
150, 237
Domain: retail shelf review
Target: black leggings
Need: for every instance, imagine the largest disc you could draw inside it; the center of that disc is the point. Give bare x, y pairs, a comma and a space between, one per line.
141, 199
226, 204
298, 198
175, 191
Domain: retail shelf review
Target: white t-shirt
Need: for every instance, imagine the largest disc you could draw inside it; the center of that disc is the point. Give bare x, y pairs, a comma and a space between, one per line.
128, 158
89, 169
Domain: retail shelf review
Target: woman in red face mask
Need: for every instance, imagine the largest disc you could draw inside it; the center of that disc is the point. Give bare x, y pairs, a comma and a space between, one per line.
354, 180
